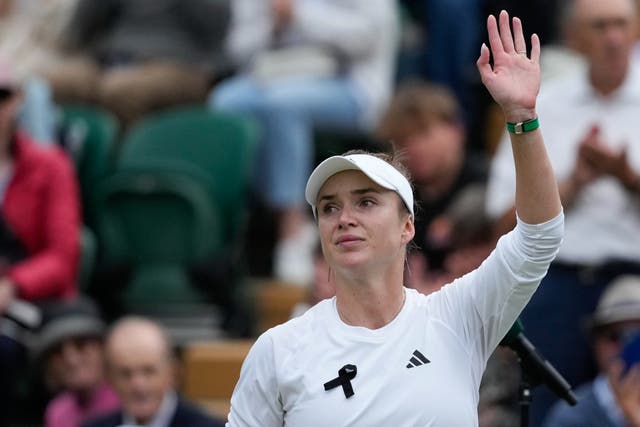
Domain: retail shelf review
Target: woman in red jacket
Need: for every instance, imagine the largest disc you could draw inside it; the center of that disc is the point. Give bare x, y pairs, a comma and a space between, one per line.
39, 228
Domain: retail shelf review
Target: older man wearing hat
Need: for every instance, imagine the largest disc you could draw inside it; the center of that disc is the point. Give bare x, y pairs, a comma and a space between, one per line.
70, 350
613, 398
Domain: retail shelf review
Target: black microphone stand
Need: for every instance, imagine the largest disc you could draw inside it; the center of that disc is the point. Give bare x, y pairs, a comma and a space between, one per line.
524, 396
535, 370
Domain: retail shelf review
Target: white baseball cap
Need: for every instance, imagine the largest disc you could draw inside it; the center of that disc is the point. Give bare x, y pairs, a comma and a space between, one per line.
378, 170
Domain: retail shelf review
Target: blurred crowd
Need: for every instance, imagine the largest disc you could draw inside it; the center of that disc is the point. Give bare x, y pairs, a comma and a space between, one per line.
103, 101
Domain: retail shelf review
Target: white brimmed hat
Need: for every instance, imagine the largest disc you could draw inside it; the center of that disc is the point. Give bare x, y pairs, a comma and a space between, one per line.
378, 170
620, 302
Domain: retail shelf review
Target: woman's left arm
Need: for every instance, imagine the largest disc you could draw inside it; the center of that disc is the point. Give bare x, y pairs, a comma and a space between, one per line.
514, 82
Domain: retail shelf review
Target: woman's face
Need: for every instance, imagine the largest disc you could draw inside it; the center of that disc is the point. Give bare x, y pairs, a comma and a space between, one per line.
77, 363
433, 152
361, 223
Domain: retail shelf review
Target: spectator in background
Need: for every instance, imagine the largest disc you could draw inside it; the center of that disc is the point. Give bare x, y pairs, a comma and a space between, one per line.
591, 124
32, 38
602, 403
69, 350
140, 367
425, 124
33, 34
142, 55
305, 64
450, 34
39, 228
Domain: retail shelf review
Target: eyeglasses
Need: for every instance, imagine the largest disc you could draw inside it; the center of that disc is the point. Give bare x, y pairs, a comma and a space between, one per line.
6, 93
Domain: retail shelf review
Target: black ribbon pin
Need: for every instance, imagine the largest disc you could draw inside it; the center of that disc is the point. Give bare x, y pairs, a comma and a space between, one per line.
345, 375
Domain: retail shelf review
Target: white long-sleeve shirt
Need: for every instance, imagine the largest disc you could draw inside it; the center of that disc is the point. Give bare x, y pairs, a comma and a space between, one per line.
421, 369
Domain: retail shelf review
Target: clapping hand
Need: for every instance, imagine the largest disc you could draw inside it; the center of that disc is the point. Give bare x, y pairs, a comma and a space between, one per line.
607, 161
626, 389
514, 79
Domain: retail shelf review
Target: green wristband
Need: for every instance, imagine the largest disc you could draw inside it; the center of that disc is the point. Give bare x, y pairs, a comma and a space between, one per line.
522, 127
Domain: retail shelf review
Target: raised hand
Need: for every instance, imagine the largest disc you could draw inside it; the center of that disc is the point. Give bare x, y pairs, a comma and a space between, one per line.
514, 80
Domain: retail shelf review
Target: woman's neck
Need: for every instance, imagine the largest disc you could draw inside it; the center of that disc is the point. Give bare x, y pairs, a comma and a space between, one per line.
369, 303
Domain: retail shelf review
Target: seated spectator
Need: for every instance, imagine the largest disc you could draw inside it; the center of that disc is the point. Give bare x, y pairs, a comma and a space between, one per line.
140, 367
69, 350
31, 37
39, 228
305, 64
424, 122
447, 52
602, 402
139, 56
33, 34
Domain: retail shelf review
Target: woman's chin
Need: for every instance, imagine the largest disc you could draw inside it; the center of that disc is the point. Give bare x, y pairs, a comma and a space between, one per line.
352, 261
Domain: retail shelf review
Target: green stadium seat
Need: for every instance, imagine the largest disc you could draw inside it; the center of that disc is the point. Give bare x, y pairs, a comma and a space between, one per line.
220, 145
160, 221
89, 134
175, 210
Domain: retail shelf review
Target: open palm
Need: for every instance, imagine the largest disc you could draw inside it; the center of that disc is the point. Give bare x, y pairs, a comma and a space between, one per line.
514, 79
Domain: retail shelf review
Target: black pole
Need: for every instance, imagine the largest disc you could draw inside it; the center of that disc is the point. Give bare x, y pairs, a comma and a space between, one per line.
524, 396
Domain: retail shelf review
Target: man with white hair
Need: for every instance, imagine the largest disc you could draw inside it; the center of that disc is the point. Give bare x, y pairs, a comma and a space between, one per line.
140, 367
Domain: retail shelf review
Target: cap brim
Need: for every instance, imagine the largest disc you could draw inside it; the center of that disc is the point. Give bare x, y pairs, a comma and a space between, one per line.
376, 169
323, 172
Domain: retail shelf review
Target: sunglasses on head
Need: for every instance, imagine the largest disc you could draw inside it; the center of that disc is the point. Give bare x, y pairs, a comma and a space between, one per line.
6, 93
